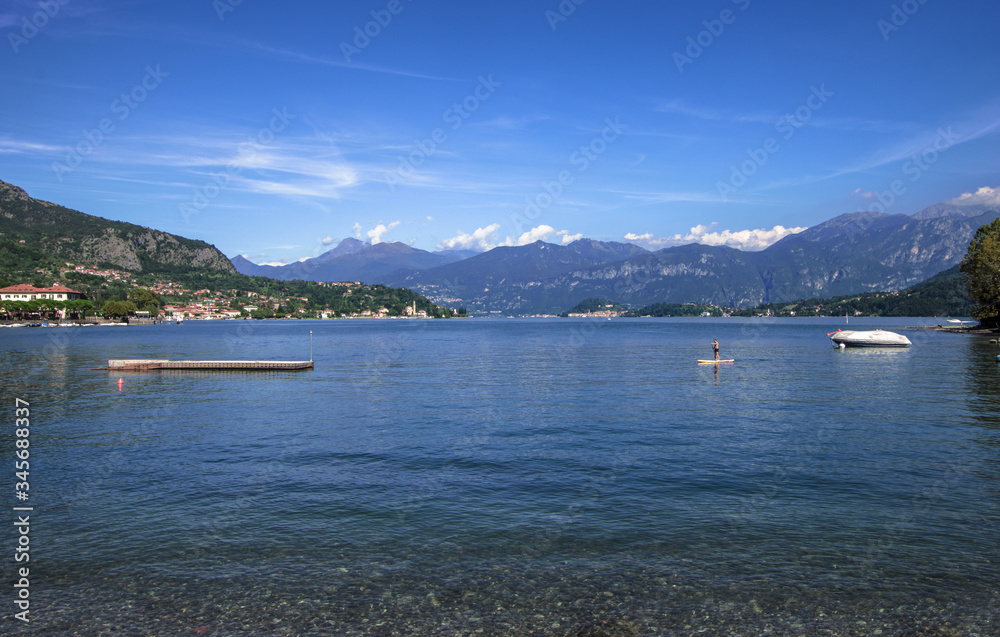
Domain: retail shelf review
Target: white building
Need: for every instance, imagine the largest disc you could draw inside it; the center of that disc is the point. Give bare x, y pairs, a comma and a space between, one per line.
24, 292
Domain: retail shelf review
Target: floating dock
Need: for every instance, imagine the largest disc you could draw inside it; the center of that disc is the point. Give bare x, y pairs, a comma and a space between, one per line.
149, 365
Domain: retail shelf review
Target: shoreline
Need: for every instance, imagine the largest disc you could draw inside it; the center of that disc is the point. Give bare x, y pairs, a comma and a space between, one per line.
961, 329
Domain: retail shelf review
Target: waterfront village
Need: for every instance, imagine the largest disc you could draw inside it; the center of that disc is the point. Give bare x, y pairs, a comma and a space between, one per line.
89, 295
165, 300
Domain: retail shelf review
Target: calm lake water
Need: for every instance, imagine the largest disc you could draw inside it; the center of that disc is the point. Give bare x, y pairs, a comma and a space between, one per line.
508, 477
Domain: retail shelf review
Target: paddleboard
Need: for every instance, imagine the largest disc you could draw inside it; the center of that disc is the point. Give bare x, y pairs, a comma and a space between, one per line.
704, 362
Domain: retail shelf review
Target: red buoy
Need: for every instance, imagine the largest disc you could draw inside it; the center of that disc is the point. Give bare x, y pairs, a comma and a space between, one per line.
120, 383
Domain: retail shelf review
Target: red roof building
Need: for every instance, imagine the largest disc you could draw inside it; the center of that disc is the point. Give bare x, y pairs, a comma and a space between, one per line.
24, 292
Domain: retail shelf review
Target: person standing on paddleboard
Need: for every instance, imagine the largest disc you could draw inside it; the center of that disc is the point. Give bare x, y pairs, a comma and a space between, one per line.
715, 346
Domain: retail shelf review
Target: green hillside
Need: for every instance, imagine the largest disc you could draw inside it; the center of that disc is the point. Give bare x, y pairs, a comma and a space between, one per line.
36, 234
944, 294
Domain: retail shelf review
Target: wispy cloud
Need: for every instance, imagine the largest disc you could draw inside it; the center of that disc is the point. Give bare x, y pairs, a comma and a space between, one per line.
666, 196
10, 146
816, 120
342, 64
912, 148
113, 26
964, 129
290, 165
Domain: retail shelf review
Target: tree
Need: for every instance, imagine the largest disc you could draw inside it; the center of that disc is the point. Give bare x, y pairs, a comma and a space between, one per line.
145, 300
118, 309
79, 308
981, 269
47, 307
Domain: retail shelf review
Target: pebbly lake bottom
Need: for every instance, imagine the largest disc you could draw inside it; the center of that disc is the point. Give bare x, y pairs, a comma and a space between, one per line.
512, 477
475, 594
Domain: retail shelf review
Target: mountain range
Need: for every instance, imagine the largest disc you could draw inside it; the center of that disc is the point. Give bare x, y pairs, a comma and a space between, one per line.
849, 254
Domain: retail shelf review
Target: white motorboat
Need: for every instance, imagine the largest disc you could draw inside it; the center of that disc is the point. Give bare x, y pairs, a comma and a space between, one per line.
868, 338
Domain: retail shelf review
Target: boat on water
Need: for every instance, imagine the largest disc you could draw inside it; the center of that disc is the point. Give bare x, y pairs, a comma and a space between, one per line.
868, 338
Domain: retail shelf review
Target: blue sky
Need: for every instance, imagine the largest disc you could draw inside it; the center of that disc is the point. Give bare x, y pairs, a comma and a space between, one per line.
275, 131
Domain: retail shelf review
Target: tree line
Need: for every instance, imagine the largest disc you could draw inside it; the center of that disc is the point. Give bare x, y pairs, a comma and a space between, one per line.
981, 269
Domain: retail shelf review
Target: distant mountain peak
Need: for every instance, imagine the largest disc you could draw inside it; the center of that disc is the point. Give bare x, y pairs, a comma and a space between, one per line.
350, 245
353, 260
948, 209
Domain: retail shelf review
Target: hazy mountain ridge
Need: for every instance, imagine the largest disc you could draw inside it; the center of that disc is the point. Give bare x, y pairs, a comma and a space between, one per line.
352, 260
515, 279
245, 266
79, 237
952, 210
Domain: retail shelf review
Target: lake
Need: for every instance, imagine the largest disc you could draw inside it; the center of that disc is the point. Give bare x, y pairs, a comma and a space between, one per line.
508, 477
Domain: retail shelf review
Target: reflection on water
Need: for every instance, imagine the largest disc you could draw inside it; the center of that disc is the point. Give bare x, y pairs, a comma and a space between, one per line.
982, 375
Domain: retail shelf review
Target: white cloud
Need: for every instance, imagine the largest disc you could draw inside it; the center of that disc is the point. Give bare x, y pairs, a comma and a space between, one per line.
482, 239
541, 233
749, 240
327, 241
375, 234
646, 236
357, 230
984, 195
538, 233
